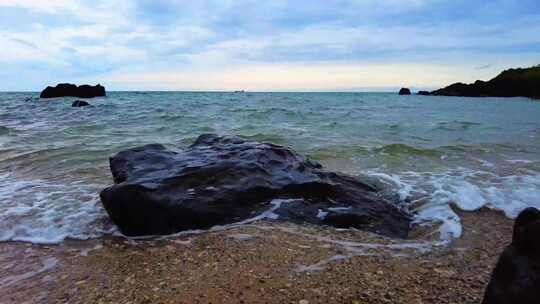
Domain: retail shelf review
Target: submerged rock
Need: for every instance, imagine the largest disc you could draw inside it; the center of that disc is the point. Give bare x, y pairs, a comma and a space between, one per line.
80, 103
509, 83
516, 277
405, 91
222, 180
67, 89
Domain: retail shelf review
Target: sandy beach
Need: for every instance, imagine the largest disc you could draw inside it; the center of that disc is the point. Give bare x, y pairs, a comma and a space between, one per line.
265, 262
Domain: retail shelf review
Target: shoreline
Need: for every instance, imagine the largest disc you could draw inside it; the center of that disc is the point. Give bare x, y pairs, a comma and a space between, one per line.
266, 262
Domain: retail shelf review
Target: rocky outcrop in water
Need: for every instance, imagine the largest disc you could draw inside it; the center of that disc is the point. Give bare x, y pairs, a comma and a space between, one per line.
510, 83
71, 90
516, 277
80, 103
404, 91
424, 93
222, 180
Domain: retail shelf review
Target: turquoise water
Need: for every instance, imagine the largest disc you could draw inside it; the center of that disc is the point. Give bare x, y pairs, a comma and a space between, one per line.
435, 151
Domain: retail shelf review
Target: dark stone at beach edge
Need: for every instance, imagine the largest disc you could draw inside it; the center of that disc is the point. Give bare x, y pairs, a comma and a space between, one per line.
509, 83
80, 103
404, 91
71, 90
516, 277
223, 180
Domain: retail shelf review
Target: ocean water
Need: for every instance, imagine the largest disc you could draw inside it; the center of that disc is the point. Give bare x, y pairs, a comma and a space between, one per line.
435, 151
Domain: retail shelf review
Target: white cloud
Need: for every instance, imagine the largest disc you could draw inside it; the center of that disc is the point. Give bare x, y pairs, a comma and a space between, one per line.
47, 6
253, 44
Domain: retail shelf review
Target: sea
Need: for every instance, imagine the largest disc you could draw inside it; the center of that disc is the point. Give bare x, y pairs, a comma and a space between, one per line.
440, 154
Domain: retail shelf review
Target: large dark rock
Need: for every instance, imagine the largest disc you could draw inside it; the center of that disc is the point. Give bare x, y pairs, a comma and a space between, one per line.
404, 91
67, 89
80, 103
510, 83
516, 277
222, 180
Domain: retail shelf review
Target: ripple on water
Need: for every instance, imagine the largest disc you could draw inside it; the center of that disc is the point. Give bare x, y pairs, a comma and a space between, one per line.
433, 151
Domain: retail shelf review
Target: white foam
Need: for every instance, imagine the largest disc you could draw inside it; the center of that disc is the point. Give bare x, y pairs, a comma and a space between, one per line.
321, 214
45, 212
268, 214
241, 236
185, 242
467, 190
339, 209
41, 211
404, 189
519, 161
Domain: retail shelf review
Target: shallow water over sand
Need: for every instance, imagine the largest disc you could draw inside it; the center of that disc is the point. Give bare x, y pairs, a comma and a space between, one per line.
433, 150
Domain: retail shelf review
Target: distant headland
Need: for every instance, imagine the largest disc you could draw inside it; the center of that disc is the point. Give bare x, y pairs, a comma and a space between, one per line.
510, 83
71, 90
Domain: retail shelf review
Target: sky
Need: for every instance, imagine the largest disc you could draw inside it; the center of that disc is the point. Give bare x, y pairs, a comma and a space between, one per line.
302, 45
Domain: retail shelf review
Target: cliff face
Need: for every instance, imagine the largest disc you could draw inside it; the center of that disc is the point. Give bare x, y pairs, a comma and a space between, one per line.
510, 83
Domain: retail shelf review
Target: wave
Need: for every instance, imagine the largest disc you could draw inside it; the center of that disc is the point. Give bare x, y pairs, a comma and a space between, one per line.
399, 148
455, 125
485, 148
5, 130
432, 195
45, 212
337, 152
263, 114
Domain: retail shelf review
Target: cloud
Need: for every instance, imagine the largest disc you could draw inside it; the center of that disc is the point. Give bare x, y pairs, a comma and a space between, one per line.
45, 6
76, 39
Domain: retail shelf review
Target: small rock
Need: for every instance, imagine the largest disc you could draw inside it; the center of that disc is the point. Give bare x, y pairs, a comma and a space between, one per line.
405, 91
80, 103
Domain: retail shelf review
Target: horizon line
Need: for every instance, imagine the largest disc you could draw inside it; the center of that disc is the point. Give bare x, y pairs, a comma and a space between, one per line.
234, 91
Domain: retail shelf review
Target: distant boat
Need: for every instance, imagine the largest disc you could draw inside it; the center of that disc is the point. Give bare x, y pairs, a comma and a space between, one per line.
242, 91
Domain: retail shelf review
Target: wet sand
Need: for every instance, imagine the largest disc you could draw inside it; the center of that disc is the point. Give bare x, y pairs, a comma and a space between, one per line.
266, 262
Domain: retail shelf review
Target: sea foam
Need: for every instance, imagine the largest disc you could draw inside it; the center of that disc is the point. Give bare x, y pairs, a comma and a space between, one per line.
464, 189
45, 212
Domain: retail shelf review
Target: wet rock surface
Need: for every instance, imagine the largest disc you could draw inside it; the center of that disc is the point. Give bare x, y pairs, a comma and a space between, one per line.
222, 180
71, 90
516, 277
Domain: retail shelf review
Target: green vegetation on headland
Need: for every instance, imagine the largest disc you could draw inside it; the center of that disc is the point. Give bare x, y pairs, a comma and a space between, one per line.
509, 83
